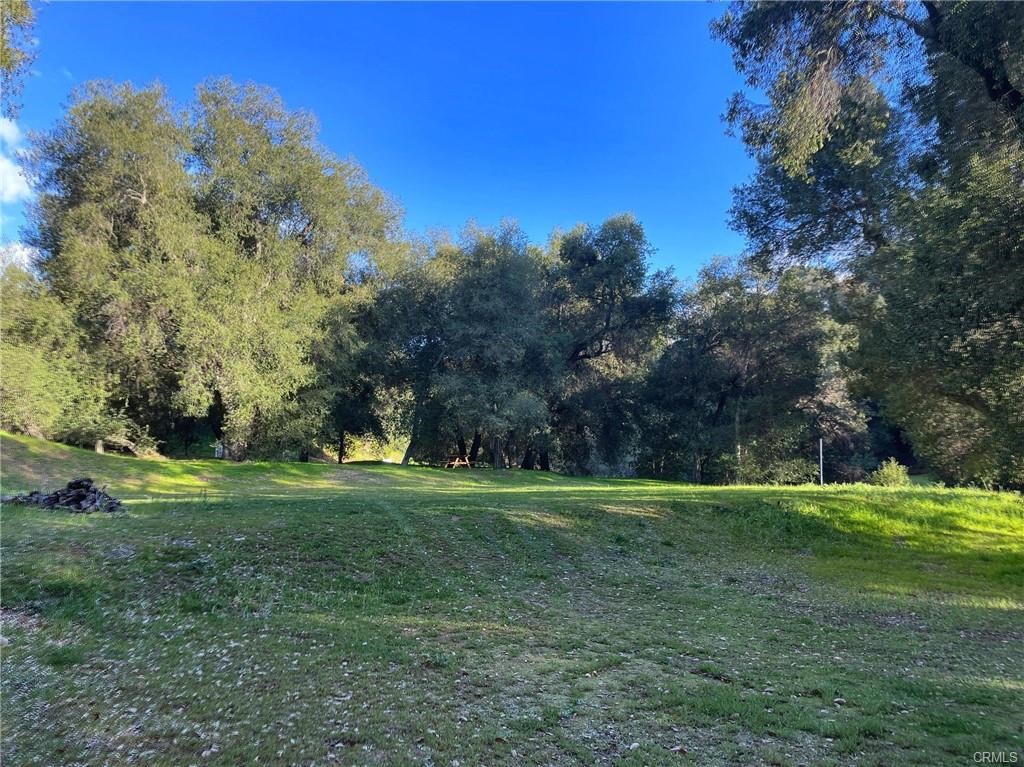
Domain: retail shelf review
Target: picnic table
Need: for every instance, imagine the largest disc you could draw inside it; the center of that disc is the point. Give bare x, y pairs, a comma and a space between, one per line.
458, 460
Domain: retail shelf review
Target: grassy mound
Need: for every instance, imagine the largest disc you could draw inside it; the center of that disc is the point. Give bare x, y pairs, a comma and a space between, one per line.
378, 615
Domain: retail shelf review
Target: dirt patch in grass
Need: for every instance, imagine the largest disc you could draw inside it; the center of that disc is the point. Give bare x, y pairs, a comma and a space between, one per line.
20, 620
356, 477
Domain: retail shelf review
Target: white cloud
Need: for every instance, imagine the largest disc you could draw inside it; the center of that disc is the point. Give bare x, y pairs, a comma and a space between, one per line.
17, 253
10, 135
13, 184
15, 190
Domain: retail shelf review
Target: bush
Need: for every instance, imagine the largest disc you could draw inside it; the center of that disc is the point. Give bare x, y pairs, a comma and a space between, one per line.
890, 473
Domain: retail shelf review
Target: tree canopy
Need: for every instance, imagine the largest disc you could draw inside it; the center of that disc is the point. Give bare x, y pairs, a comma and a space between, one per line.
209, 271
891, 148
202, 252
17, 18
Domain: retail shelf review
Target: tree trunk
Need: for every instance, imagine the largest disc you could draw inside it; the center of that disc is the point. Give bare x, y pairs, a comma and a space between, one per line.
341, 445
304, 455
474, 451
408, 452
545, 461
496, 457
99, 446
529, 460
462, 446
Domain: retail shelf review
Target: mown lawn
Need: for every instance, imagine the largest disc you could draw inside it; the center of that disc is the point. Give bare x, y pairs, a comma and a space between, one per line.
308, 614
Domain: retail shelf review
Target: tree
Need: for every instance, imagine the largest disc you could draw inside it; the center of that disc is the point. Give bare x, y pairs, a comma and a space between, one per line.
202, 252
943, 339
50, 386
115, 228
291, 218
492, 330
16, 52
806, 57
913, 192
604, 317
355, 379
731, 397
467, 324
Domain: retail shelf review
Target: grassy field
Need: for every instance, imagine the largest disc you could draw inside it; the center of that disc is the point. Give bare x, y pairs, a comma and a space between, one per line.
315, 614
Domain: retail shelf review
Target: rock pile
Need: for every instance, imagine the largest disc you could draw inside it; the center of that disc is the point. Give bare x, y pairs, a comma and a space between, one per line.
79, 496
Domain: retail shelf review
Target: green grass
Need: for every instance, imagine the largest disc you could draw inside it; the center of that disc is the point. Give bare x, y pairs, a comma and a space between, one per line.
316, 614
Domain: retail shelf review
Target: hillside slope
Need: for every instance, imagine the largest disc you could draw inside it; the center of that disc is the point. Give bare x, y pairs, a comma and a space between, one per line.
379, 615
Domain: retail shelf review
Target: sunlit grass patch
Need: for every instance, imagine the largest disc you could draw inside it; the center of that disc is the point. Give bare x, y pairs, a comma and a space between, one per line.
375, 614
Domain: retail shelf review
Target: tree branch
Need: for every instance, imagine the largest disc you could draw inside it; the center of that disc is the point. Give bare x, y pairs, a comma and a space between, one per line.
916, 25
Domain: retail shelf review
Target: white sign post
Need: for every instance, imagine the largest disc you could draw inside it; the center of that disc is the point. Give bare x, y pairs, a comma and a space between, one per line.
821, 461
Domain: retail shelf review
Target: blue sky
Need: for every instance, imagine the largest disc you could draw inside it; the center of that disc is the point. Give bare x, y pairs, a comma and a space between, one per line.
550, 114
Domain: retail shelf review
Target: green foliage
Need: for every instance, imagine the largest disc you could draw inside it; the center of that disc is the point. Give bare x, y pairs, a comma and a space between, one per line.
810, 57
202, 254
738, 396
948, 356
530, 355
50, 386
890, 473
605, 318
17, 19
464, 328
914, 193
209, 272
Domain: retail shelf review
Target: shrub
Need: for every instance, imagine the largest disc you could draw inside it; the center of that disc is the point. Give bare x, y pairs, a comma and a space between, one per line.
890, 473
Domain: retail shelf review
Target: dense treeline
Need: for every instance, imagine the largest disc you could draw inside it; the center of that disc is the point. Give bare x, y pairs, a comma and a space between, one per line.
891, 148
212, 272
